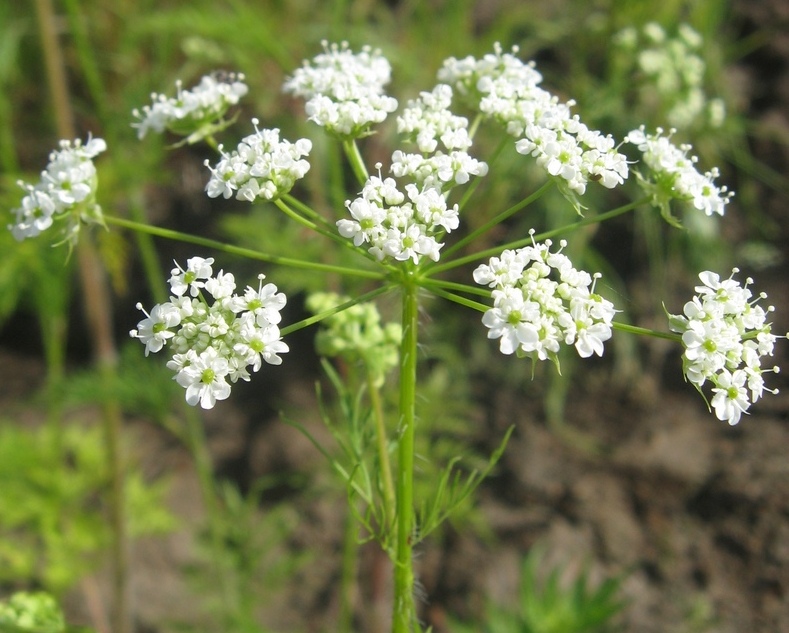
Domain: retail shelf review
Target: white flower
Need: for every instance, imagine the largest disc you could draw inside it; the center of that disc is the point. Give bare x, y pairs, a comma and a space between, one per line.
731, 397
674, 175
541, 301
725, 337
66, 191
154, 330
204, 378
344, 90
439, 171
507, 90
590, 328
262, 167
265, 303
511, 320
501, 271
368, 221
197, 269
214, 342
395, 227
428, 121
190, 110
260, 344
221, 286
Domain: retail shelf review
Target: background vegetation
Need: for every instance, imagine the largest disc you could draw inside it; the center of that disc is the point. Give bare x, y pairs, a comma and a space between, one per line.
260, 545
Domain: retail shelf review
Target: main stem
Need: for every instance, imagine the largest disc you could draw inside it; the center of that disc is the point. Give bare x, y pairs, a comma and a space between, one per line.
403, 614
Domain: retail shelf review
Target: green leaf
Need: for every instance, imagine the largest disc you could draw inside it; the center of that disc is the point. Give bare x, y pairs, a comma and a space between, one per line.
452, 490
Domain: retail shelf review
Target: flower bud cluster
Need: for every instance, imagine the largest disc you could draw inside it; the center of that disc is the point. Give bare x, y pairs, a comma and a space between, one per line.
357, 334
726, 335
262, 167
674, 174
507, 90
191, 110
67, 188
213, 341
673, 71
344, 90
401, 226
541, 301
428, 121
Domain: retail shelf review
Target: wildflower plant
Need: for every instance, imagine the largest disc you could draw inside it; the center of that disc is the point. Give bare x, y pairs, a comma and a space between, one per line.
218, 340
405, 225
726, 335
65, 195
672, 175
197, 113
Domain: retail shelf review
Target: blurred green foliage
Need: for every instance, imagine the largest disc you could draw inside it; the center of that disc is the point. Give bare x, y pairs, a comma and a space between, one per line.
35, 612
555, 600
53, 526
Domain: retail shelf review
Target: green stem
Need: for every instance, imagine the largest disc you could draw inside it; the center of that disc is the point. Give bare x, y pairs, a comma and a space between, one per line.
595, 219
472, 130
451, 296
355, 158
404, 612
293, 327
634, 329
307, 211
238, 250
326, 231
478, 181
385, 467
454, 285
498, 219
148, 255
489, 252
211, 142
282, 206
350, 555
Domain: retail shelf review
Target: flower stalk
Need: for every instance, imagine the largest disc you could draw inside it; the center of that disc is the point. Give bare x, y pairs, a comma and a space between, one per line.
404, 612
238, 250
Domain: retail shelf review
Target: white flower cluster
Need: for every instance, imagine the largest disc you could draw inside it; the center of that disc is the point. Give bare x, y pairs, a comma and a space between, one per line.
506, 89
396, 227
263, 166
213, 342
426, 121
725, 336
498, 83
191, 109
344, 90
541, 301
67, 186
675, 175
